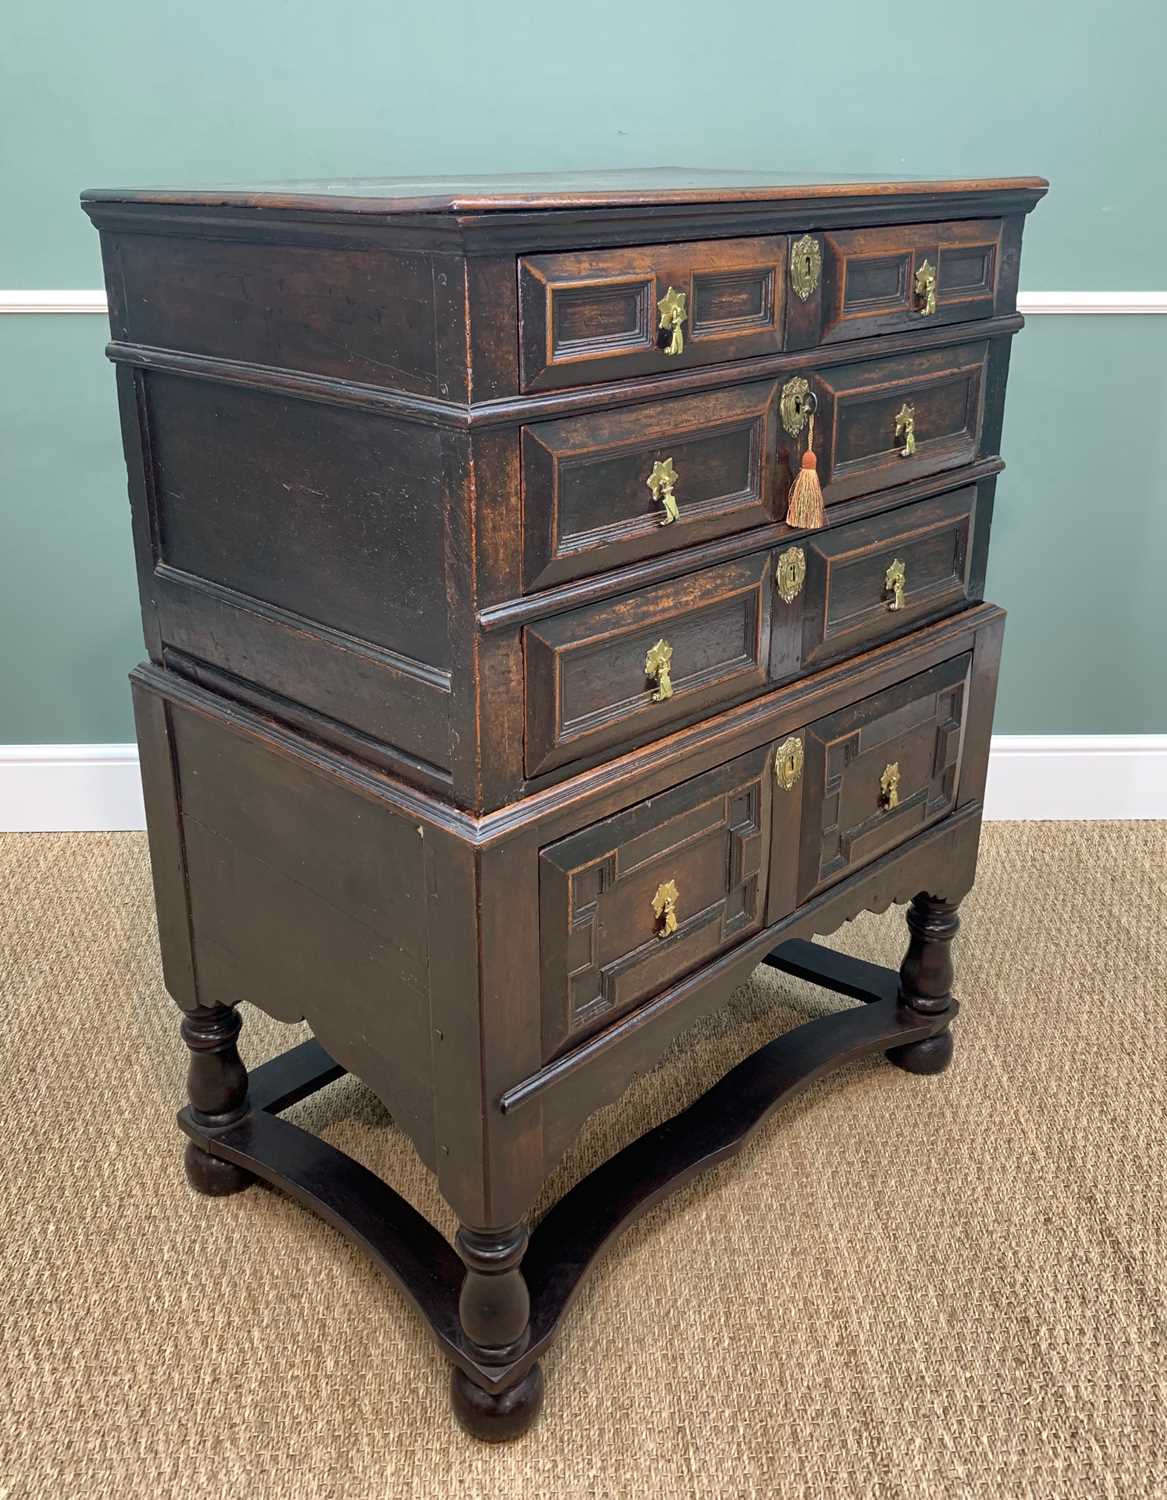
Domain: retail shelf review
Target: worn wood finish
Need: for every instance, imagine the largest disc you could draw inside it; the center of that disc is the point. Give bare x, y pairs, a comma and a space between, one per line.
530, 1281
859, 442
588, 685
605, 944
847, 603
870, 279
881, 770
452, 748
595, 315
587, 502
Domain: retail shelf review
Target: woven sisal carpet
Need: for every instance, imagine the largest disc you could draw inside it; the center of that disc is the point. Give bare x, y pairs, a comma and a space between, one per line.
902, 1287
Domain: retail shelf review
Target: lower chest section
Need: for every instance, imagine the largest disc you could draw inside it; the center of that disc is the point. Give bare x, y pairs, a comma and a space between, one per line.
635, 902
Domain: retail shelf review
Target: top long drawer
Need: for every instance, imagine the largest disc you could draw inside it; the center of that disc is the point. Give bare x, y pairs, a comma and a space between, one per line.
609, 314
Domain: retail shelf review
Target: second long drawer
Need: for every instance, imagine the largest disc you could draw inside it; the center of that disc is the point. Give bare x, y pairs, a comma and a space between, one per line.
617, 673
606, 489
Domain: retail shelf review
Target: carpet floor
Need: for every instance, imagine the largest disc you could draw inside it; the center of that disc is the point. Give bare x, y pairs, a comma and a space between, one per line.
950, 1286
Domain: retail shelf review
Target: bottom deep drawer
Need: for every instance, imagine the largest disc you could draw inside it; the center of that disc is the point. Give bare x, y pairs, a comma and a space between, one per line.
632, 903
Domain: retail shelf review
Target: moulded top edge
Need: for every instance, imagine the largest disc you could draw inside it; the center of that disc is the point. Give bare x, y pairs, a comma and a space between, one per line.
660, 186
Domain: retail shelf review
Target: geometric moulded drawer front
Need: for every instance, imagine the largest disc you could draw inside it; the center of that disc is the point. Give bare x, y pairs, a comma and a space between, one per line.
624, 670
899, 277
593, 498
631, 904
880, 771
885, 422
607, 314
882, 576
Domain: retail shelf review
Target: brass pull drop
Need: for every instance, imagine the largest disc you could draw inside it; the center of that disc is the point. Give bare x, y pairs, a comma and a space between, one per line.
895, 581
889, 786
673, 312
664, 908
657, 666
906, 429
661, 482
926, 289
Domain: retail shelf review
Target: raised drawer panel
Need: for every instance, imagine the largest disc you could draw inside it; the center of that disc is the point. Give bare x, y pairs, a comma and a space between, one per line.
895, 278
596, 315
877, 578
589, 505
883, 422
588, 685
610, 937
880, 771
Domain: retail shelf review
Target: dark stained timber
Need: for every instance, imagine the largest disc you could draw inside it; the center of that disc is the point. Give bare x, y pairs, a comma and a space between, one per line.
496, 723
584, 1223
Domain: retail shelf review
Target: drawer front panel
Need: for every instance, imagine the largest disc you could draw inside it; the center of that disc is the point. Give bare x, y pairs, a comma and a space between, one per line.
609, 938
896, 278
883, 422
588, 504
880, 771
877, 578
597, 315
588, 683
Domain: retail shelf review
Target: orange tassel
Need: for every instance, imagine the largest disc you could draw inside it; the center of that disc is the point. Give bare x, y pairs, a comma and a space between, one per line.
804, 507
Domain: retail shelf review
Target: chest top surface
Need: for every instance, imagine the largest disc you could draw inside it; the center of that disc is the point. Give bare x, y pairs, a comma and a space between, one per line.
617, 188
605, 189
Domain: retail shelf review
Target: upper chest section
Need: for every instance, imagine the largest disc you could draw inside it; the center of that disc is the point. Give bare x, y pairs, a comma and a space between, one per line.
471, 300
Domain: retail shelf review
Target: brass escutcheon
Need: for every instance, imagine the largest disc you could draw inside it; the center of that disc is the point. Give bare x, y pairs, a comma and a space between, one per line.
806, 264
906, 428
657, 665
788, 762
673, 312
926, 289
790, 574
664, 908
795, 405
661, 482
889, 786
895, 581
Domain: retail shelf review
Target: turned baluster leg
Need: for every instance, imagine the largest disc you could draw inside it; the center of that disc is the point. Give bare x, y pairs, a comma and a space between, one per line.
495, 1312
217, 1086
926, 980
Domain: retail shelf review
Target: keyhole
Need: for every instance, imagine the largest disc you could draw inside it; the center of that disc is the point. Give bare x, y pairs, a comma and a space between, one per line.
807, 268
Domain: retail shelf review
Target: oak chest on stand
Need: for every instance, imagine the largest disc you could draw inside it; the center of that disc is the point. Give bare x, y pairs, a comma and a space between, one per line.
496, 722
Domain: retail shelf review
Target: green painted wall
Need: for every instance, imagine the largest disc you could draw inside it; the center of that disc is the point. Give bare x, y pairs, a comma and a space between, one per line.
146, 93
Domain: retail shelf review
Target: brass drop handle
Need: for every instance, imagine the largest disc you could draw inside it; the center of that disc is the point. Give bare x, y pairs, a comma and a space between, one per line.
895, 581
889, 786
657, 665
926, 289
906, 429
673, 312
661, 482
664, 908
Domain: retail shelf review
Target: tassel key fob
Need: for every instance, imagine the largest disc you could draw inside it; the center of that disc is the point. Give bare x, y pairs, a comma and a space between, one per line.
805, 508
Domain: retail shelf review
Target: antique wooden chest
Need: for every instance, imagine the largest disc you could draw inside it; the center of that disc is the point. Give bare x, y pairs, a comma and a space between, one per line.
496, 720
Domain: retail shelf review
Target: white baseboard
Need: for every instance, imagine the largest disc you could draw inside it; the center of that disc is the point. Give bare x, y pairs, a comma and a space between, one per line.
88, 788
1088, 776
69, 788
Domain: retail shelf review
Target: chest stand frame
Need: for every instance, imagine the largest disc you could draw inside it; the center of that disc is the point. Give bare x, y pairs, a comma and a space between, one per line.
904, 1014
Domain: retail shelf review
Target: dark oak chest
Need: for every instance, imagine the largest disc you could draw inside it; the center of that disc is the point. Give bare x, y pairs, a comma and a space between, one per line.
496, 721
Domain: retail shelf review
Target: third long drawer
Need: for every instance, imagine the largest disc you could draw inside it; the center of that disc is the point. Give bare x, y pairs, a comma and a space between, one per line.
619, 672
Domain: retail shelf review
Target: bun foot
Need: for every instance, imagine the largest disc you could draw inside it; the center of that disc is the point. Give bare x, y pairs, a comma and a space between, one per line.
932, 1055
212, 1175
496, 1418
